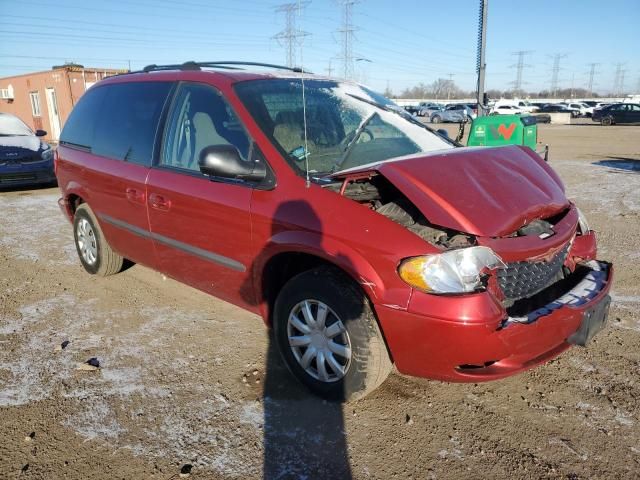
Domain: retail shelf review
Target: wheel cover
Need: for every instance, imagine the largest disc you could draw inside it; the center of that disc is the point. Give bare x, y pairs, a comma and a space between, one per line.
319, 341
86, 240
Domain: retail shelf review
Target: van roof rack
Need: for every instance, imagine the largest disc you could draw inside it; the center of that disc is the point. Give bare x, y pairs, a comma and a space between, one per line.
231, 65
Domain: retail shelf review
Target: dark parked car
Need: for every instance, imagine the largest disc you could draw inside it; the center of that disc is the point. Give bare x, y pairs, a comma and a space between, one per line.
556, 108
24, 158
361, 236
617, 113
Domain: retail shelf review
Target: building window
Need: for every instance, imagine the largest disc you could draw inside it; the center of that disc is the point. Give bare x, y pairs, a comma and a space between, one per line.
35, 103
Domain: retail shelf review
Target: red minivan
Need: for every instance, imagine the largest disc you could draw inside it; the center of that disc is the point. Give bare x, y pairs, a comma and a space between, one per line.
364, 238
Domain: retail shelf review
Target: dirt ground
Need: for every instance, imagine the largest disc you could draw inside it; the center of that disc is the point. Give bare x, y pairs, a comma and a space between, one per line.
189, 380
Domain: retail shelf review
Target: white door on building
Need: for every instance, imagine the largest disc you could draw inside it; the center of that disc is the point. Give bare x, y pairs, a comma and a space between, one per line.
54, 117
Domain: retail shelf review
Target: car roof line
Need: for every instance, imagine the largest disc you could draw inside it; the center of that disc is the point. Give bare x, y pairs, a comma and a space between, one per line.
223, 65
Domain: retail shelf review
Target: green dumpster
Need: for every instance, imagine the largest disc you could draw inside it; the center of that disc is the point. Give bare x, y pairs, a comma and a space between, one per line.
496, 130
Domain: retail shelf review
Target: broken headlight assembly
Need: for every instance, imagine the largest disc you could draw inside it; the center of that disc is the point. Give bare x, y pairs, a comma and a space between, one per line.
454, 271
583, 225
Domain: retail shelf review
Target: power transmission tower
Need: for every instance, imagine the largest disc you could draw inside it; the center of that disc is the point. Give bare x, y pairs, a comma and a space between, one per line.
449, 85
592, 73
618, 83
346, 38
329, 69
517, 83
290, 36
481, 65
555, 71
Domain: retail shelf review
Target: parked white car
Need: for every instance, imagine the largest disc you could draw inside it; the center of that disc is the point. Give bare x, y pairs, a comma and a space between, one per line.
506, 110
580, 109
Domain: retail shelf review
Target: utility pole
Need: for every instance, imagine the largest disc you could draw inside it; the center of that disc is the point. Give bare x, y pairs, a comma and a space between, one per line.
592, 72
449, 85
517, 83
554, 72
290, 36
481, 65
346, 38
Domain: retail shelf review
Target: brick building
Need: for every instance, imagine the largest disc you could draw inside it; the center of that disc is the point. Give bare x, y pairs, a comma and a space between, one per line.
43, 100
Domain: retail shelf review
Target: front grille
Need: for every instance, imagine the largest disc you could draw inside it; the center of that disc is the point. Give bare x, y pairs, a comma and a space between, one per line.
524, 279
7, 160
17, 177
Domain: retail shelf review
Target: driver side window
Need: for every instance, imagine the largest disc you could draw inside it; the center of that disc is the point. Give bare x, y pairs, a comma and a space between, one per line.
200, 117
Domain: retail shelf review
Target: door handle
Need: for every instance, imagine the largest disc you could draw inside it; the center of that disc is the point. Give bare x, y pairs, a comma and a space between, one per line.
135, 196
159, 202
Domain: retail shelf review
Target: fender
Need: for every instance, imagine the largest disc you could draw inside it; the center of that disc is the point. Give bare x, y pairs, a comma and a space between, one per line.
337, 253
72, 188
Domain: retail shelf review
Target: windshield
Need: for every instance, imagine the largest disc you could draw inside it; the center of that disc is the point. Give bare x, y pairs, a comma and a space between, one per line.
11, 125
347, 125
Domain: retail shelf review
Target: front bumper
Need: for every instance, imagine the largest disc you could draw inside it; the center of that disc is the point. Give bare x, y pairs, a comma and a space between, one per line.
25, 174
469, 339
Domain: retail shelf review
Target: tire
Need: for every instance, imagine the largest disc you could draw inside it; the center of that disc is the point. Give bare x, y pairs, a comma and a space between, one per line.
606, 121
96, 255
351, 335
436, 119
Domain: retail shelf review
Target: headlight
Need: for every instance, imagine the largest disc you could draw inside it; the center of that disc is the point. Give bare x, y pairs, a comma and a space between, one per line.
47, 154
582, 222
455, 271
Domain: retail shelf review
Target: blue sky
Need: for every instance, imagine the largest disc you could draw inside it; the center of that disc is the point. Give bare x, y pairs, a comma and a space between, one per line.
406, 41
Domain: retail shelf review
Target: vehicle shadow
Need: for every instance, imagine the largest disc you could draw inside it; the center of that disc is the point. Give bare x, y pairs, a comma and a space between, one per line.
304, 435
620, 163
7, 187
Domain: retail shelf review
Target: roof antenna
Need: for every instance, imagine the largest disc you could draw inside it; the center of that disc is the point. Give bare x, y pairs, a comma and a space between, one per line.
304, 109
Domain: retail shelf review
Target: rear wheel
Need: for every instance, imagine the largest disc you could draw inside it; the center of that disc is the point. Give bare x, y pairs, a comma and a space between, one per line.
328, 335
96, 256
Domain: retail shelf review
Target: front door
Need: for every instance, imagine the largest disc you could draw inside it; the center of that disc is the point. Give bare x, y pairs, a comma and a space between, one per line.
201, 228
54, 117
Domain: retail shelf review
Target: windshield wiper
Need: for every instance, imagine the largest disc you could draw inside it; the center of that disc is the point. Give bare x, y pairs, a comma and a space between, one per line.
354, 140
402, 113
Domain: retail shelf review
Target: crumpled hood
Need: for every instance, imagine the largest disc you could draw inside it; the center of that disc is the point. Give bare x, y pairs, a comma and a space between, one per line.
488, 192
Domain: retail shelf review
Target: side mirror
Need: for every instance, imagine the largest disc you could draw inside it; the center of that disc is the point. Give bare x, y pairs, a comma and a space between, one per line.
443, 132
224, 161
40, 133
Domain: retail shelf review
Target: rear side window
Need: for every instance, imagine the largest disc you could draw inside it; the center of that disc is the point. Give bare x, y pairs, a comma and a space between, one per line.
125, 127
78, 129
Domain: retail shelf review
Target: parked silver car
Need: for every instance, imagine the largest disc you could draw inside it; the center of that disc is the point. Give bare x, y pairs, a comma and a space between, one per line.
453, 113
430, 110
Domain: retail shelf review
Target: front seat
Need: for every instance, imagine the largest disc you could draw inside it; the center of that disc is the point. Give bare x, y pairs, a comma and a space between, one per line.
205, 134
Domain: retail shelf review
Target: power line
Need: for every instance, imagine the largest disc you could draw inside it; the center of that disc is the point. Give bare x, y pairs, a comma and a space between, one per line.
290, 37
517, 83
346, 38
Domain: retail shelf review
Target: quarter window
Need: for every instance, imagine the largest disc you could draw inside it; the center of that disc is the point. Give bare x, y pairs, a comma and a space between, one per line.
35, 103
79, 127
127, 123
199, 118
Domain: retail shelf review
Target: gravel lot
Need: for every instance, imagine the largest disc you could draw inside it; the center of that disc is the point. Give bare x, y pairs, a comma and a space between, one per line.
188, 379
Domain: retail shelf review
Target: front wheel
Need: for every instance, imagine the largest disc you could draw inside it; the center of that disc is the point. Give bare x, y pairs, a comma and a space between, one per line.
606, 121
96, 255
436, 119
328, 335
